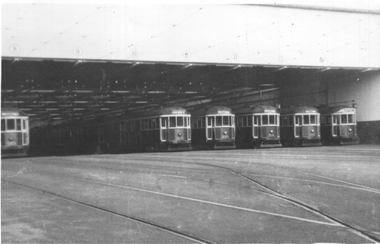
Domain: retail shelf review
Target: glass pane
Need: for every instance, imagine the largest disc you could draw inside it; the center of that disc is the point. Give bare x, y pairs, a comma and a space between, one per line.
3, 125
271, 120
179, 121
244, 121
336, 119
18, 124
313, 120
249, 120
306, 120
225, 120
232, 120
11, 124
350, 118
291, 120
218, 121
256, 120
209, 121
344, 118
203, 122
163, 122
265, 119
172, 122
328, 120
239, 122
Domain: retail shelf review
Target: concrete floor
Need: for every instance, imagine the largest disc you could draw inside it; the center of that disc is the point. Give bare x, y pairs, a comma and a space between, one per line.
280, 195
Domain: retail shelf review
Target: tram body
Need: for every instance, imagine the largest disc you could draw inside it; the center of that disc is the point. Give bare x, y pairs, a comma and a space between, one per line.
14, 133
258, 127
163, 129
338, 125
213, 128
300, 126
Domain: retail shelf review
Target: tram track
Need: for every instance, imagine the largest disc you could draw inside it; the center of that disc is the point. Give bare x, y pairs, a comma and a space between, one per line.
356, 230
94, 207
368, 235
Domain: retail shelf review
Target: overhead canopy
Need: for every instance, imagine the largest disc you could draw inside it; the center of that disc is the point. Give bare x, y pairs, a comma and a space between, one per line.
289, 35
73, 62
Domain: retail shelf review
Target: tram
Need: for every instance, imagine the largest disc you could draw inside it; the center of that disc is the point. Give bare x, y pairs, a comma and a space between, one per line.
213, 128
258, 127
300, 126
338, 125
14, 133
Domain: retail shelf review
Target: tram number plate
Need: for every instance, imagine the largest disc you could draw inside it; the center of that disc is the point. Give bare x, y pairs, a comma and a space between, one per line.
225, 136
11, 143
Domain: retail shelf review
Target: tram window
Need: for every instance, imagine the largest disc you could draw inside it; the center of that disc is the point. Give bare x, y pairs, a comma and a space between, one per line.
198, 123
239, 122
180, 121
350, 118
298, 120
313, 119
218, 121
249, 120
265, 119
336, 119
256, 120
153, 123
306, 119
323, 120
344, 118
244, 119
272, 120
209, 121
172, 121
163, 123
328, 120
285, 120
18, 124
225, 120
10, 124
3, 125
232, 120
291, 120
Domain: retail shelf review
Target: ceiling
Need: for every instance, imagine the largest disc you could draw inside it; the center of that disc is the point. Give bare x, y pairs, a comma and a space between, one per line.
68, 90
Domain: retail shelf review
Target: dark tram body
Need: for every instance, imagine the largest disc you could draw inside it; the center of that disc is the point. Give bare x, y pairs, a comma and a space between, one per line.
213, 128
338, 125
300, 126
14, 133
163, 129
258, 127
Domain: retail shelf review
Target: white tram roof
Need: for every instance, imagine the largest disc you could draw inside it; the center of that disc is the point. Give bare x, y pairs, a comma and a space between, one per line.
164, 111
11, 112
257, 109
337, 109
300, 109
214, 110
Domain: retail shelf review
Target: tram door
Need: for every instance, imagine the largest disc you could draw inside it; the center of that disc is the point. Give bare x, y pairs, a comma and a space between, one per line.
298, 126
335, 125
209, 128
164, 129
256, 126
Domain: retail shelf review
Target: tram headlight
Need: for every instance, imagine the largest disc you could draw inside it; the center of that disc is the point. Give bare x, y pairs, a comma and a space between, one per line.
271, 131
312, 131
10, 139
350, 130
225, 133
179, 134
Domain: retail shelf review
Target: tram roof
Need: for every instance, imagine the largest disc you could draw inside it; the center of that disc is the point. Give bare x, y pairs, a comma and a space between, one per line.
256, 109
213, 110
299, 109
337, 109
